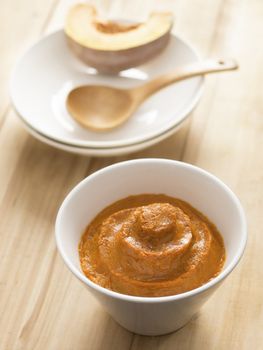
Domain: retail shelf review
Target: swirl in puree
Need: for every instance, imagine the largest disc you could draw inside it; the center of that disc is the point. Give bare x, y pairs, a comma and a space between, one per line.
151, 245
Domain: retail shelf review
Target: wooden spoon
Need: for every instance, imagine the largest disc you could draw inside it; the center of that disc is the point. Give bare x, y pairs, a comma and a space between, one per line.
103, 107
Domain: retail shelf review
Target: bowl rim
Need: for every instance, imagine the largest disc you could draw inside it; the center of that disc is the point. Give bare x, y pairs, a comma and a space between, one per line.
139, 299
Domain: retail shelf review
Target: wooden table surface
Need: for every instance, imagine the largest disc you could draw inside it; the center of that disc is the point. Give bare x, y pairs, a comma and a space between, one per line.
42, 305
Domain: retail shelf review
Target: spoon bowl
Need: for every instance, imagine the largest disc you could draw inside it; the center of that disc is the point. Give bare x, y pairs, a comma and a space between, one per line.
103, 107
100, 107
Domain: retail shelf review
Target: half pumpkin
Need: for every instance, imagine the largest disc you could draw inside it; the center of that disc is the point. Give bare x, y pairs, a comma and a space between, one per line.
114, 46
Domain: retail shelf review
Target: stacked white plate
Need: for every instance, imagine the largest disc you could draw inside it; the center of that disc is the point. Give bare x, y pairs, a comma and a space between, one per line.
47, 72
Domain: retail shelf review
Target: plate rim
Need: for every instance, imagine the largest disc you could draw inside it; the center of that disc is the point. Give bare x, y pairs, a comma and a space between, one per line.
98, 152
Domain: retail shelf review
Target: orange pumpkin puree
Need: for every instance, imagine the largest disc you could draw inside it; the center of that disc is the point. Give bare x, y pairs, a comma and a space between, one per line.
151, 245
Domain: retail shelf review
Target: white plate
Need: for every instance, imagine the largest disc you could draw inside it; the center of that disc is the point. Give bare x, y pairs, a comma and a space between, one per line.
100, 152
48, 71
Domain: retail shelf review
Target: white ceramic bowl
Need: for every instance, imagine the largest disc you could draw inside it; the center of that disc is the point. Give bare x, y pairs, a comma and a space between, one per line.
144, 315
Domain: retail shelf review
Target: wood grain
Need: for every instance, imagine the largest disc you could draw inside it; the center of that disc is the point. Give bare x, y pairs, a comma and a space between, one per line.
42, 306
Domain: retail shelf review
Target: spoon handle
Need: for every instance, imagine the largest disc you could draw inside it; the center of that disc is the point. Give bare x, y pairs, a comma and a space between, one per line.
182, 73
